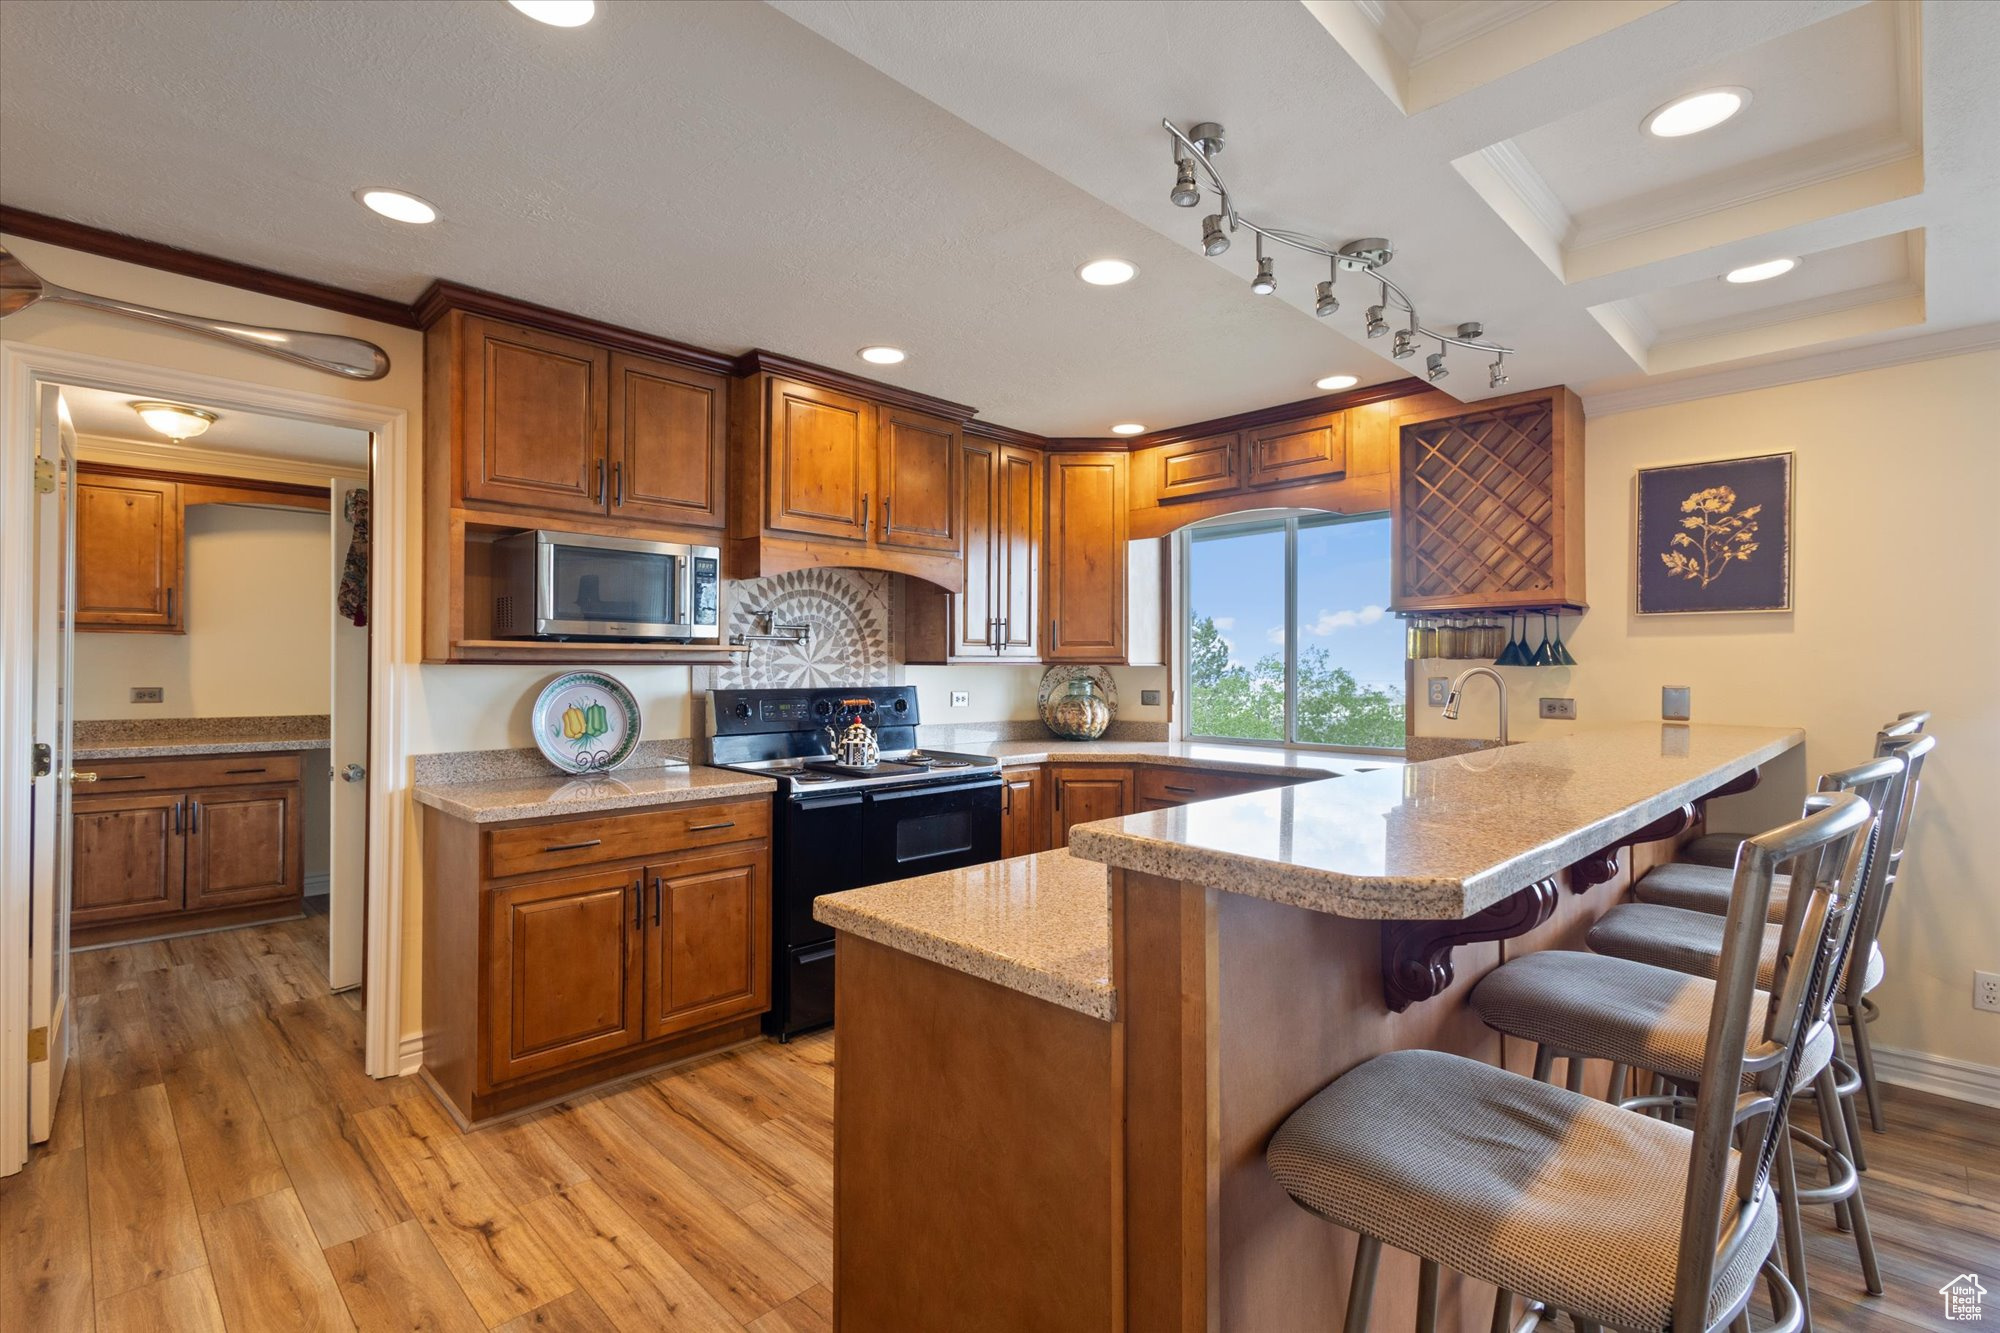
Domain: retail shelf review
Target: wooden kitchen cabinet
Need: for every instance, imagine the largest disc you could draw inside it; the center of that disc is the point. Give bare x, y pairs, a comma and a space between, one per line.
174, 845
533, 409
997, 616
1086, 577
130, 535
820, 461
1024, 814
559, 953
667, 441
1308, 450
1081, 793
916, 475
1187, 469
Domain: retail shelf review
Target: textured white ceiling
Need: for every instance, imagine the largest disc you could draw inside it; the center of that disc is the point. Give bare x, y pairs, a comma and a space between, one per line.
103, 415
927, 175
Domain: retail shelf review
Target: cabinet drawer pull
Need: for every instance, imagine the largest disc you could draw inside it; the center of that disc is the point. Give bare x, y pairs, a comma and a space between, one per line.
710, 828
1188, 790
573, 846
120, 777
228, 771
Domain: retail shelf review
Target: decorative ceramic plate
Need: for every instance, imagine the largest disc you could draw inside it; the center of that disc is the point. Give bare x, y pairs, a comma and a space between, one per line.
1057, 678
586, 722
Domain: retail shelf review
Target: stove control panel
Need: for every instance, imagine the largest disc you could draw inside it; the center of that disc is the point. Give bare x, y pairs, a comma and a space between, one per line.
762, 712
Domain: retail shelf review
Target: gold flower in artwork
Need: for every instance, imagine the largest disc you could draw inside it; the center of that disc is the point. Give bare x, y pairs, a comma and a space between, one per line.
1712, 537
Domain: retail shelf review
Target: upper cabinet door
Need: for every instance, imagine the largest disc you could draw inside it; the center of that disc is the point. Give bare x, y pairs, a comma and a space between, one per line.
1297, 451
918, 460
534, 408
667, 431
1197, 467
1017, 553
1088, 523
975, 613
128, 554
822, 461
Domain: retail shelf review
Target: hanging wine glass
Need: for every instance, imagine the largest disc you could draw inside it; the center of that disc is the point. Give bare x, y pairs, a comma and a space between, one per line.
1509, 653
1562, 655
1544, 656
1523, 654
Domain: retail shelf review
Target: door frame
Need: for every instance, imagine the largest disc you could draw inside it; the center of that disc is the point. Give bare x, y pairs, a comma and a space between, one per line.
24, 368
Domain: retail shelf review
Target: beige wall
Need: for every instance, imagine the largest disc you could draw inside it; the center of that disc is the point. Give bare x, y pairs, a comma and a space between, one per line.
1008, 693
1896, 607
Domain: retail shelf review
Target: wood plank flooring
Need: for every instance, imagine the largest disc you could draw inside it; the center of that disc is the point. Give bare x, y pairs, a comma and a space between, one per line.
220, 1162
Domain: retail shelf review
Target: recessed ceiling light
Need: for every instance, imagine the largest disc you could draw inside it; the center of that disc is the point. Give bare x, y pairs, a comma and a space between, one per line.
558, 13
1696, 112
1107, 272
1128, 428
1337, 382
883, 356
1770, 268
175, 422
397, 205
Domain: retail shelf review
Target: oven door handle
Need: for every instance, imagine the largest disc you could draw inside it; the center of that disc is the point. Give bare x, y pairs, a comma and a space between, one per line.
942, 789
826, 802
819, 955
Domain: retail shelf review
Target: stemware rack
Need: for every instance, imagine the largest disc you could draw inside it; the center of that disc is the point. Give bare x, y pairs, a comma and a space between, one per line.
1497, 637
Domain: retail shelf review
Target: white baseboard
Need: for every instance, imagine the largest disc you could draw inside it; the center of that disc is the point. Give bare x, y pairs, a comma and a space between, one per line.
318, 886
1961, 1080
410, 1055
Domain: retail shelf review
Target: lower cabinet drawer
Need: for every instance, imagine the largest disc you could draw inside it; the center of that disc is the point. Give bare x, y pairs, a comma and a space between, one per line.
570, 843
181, 774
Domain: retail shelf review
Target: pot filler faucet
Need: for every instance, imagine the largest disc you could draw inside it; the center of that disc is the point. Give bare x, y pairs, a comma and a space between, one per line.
1458, 690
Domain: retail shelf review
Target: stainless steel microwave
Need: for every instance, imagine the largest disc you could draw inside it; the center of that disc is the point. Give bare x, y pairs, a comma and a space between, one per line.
557, 585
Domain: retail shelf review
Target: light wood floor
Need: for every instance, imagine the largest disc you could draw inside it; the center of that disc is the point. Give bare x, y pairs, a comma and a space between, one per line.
220, 1161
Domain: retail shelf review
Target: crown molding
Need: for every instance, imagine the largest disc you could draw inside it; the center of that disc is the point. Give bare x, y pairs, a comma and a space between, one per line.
1267, 416
208, 268
1518, 174
1468, 23
999, 434
757, 361
221, 463
1794, 370
1832, 303
442, 297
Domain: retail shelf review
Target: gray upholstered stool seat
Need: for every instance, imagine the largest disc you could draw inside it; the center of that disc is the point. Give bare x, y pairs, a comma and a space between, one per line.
1531, 1187
1712, 849
1614, 1009
1703, 888
1689, 942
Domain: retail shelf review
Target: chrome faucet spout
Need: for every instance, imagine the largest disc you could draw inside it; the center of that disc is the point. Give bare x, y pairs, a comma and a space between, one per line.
1457, 695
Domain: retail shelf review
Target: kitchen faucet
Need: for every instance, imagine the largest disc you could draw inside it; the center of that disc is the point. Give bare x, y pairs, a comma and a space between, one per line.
1457, 690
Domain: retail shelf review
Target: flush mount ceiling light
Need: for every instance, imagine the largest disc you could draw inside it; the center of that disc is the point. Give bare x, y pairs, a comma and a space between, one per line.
883, 356
1107, 272
1770, 268
1337, 382
558, 13
397, 206
1696, 112
1194, 153
174, 421
1128, 428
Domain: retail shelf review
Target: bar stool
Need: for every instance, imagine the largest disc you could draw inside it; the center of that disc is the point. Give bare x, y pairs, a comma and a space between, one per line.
1675, 919
1646, 1018
1622, 1220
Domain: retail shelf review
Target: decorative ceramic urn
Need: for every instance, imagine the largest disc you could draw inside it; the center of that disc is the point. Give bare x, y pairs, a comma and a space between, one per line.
1079, 713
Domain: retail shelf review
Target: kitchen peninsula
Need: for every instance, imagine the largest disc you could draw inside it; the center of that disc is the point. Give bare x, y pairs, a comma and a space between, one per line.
1056, 1083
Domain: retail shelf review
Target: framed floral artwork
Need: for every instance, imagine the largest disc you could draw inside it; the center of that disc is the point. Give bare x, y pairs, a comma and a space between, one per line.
1716, 536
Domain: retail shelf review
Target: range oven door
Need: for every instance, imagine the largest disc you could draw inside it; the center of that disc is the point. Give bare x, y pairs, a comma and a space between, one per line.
917, 830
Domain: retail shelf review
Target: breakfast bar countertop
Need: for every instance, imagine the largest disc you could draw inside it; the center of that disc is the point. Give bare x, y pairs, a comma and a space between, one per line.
1255, 760
1440, 840
513, 798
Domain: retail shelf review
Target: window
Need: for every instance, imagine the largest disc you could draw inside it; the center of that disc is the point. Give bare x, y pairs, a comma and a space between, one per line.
1287, 639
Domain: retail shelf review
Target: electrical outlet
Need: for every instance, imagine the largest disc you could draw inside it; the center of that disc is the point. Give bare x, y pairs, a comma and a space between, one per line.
1986, 991
1676, 703
961, 698
1439, 691
1564, 709
148, 694
1149, 698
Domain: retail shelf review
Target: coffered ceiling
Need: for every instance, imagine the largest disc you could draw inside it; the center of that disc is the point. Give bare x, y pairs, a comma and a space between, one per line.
813, 177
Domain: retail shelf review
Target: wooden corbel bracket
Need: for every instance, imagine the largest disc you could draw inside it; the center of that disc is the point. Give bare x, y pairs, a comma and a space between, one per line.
1600, 866
1416, 955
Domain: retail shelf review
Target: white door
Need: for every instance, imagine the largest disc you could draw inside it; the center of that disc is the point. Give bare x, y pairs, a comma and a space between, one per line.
48, 885
347, 860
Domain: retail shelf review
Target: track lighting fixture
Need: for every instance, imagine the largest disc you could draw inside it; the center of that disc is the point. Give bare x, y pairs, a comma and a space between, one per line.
1195, 151
1266, 281
1495, 376
1434, 367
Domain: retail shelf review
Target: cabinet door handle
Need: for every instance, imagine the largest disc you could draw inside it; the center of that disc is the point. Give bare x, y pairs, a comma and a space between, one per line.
1059, 788
600, 481
617, 484
194, 816
1055, 633
865, 512
177, 819
887, 500
710, 828
657, 895
639, 904
572, 846
231, 771
170, 603
1007, 798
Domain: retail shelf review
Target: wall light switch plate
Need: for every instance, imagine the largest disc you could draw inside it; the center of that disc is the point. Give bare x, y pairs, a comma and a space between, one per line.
148, 694
961, 698
1439, 690
1565, 709
1149, 698
1676, 703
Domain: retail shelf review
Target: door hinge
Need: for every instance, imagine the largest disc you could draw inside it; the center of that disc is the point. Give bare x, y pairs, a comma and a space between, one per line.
38, 1046
45, 476
42, 761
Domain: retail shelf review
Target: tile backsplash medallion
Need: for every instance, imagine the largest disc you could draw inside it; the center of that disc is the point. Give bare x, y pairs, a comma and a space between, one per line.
848, 611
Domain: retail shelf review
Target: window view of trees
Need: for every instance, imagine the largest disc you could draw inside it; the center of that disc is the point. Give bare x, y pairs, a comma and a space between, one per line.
1228, 698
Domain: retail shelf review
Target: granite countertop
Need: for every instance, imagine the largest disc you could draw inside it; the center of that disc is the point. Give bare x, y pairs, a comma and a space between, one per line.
1439, 840
561, 794
1038, 924
1252, 759
156, 738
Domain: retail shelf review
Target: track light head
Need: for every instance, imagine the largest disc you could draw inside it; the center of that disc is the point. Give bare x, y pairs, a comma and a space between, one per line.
1328, 302
1214, 240
1406, 345
1495, 376
1266, 281
1434, 367
1185, 192
1377, 325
